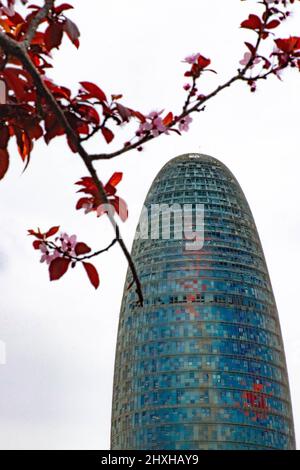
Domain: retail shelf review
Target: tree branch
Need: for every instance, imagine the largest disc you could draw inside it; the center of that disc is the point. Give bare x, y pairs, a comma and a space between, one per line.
198, 106
186, 112
79, 258
42, 14
19, 50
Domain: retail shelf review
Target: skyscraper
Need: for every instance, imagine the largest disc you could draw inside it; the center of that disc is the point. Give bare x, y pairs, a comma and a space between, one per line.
201, 365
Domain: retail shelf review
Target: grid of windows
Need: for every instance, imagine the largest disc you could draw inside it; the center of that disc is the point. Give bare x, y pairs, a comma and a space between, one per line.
201, 365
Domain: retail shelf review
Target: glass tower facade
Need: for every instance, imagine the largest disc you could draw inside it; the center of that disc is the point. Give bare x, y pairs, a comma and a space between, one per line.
201, 365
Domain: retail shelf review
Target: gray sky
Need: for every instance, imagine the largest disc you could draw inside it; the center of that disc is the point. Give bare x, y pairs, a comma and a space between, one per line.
55, 390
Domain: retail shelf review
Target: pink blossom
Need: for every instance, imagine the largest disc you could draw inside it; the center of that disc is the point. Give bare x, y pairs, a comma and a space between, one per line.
47, 255
154, 114
144, 128
186, 86
184, 123
68, 243
158, 127
154, 125
246, 59
192, 59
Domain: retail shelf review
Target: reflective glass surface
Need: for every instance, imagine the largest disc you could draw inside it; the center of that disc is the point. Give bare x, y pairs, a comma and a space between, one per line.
201, 365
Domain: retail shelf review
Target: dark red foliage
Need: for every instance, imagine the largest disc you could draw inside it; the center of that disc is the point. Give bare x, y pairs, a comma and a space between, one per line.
63, 7
43, 236
24, 113
273, 24
92, 274
53, 35
290, 45
114, 180
72, 31
168, 119
28, 114
60, 254
81, 248
260, 26
52, 231
4, 162
36, 244
4, 136
58, 267
198, 67
107, 134
94, 202
288, 52
253, 22
92, 91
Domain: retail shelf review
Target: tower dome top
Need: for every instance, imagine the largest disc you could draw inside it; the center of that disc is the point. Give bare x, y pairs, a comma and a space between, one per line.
188, 157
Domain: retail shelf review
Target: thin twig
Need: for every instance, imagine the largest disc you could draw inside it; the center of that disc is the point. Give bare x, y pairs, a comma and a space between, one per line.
148, 138
186, 111
53, 246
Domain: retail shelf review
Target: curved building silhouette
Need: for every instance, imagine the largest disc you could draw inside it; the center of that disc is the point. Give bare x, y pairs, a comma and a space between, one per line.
201, 365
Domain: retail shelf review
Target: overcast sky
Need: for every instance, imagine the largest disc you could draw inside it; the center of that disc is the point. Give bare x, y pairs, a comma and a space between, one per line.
55, 390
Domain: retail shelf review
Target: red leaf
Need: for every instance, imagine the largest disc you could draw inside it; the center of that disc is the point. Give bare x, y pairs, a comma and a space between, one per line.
138, 115
121, 207
203, 62
94, 90
58, 91
82, 201
14, 82
253, 22
53, 35
115, 179
58, 267
76, 43
35, 131
82, 128
62, 7
87, 182
92, 274
168, 119
81, 248
53, 128
38, 234
24, 143
4, 162
109, 189
124, 112
88, 112
273, 24
250, 47
107, 134
4, 137
36, 244
288, 45
52, 231
72, 31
